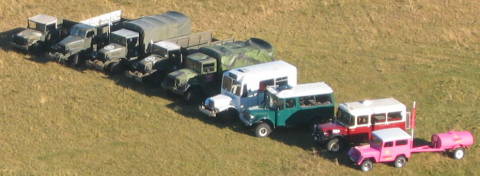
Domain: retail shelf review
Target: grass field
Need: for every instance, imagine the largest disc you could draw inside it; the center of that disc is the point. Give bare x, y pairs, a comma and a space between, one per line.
56, 120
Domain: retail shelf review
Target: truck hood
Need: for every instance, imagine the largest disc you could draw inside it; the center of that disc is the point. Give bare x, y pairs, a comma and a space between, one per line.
29, 35
364, 151
330, 126
71, 43
220, 102
112, 51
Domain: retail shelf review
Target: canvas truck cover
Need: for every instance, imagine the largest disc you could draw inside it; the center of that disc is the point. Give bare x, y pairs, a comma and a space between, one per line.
240, 53
160, 27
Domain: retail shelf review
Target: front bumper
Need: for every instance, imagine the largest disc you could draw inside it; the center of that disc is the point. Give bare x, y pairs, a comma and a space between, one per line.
25, 47
207, 111
95, 64
135, 75
319, 137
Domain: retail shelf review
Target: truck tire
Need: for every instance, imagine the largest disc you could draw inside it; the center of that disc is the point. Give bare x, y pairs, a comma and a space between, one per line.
458, 153
114, 67
366, 165
73, 60
262, 130
334, 145
400, 162
192, 96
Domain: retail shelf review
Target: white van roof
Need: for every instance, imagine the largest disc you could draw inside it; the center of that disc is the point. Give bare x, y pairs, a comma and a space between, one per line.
264, 69
391, 134
373, 106
302, 90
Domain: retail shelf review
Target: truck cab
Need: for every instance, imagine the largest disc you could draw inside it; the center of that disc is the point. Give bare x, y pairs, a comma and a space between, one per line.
200, 69
164, 56
123, 44
387, 145
303, 104
41, 30
355, 121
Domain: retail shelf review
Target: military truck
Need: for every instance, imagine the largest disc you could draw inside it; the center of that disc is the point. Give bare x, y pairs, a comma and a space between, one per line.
133, 40
204, 69
167, 56
42, 31
85, 38
303, 104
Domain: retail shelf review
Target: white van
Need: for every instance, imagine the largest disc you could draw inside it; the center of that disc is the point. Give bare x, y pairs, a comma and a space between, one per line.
244, 87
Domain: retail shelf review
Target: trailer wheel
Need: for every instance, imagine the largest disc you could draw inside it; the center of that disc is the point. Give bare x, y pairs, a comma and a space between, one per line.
400, 162
334, 145
366, 165
458, 153
262, 130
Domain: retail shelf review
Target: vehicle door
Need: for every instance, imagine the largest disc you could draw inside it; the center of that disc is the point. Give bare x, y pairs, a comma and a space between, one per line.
388, 152
90, 34
285, 116
132, 47
361, 131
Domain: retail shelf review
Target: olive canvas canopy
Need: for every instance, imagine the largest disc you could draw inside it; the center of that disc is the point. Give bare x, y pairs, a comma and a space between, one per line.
160, 27
240, 53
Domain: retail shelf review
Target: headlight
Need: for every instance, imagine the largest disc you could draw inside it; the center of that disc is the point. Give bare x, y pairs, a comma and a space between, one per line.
335, 131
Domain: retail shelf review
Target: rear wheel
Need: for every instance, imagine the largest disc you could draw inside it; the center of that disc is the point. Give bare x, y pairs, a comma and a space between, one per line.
458, 153
334, 145
262, 130
400, 161
114, 67
366, 165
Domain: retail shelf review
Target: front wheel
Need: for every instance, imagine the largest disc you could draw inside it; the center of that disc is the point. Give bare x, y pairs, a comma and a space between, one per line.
400, 162
366, 165
262, 130
458, 153
114, 67
334, 145
74, 60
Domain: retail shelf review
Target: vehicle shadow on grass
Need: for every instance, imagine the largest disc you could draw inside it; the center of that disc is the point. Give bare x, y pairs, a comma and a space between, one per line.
6, 45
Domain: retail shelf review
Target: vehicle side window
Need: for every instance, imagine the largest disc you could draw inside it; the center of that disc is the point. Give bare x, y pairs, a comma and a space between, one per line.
290, 103
307, 101
90, 34
323, 99
51, 27
281, 82
379, 118
401, 142
265, 84
362, 120
244, 91
208, 68
394, 116
388, 144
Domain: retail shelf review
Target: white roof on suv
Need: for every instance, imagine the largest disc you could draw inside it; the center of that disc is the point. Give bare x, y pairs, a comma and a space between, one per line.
301, 90
367, 107
264, 69
44, 19
391, 134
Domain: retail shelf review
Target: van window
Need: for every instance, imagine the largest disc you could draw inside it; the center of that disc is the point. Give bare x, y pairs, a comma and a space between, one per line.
290, 103
401, 142
323, 99
264, 84
388, 144
394, 116
282, 82
379, 118
315, 100
362, 120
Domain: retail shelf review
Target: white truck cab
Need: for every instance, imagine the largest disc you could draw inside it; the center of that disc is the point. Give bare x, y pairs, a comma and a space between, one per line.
245, 87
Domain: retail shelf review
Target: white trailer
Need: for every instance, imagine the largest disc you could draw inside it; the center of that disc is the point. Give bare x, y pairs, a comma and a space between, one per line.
245, 87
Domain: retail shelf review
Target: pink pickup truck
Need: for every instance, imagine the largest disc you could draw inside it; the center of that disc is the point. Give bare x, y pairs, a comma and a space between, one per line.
395, 145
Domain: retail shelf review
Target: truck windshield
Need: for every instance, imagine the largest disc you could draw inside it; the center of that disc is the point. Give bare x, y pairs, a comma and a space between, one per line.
36, 26
375, 143
344, 117
78, 31
231, 85
118, 40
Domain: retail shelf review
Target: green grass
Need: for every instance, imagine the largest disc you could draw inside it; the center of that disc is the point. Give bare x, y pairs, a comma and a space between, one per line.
56, 120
